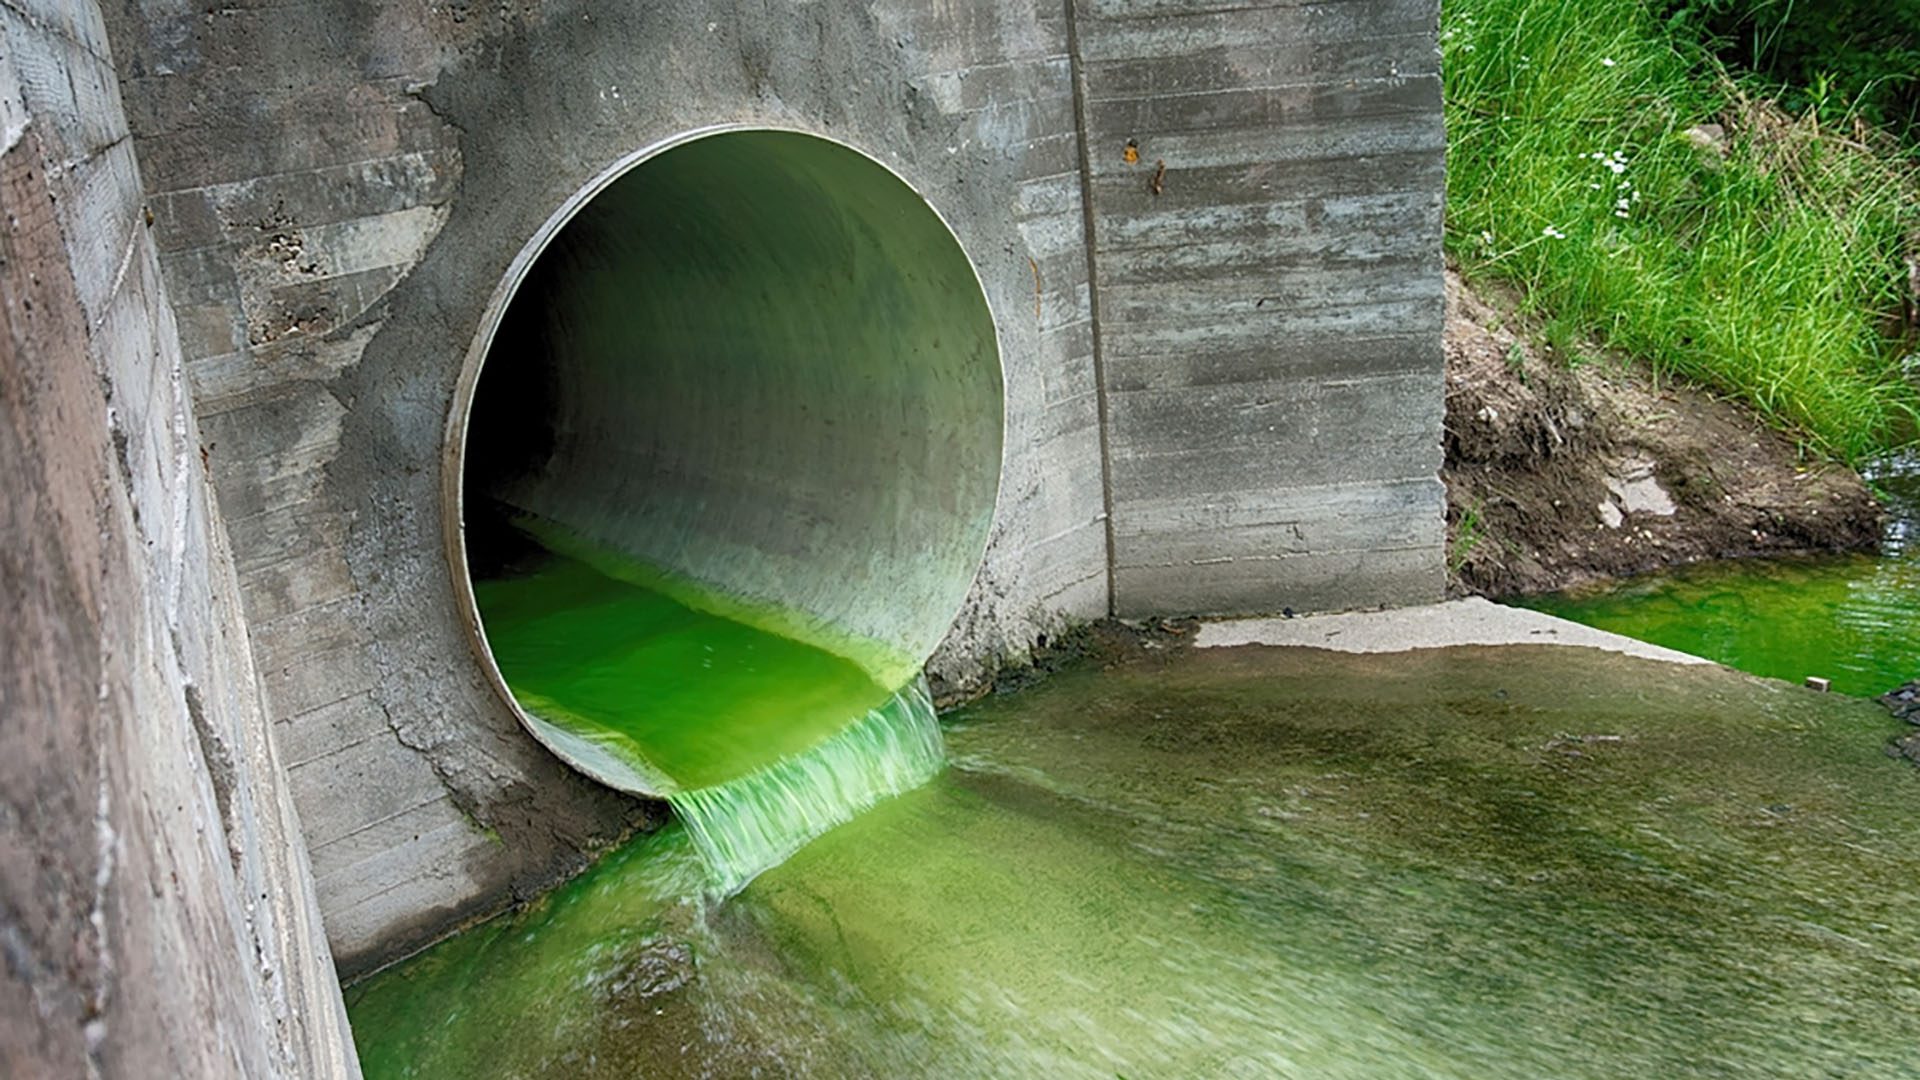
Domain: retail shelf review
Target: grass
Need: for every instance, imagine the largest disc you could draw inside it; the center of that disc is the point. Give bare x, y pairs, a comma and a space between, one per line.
1769, 266
1466, 537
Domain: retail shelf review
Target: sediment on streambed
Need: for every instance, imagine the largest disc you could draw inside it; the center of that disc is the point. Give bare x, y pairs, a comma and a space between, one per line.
1560, 473
1256, 861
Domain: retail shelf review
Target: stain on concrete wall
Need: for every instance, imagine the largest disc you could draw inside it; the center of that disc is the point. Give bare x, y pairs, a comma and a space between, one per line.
157, 913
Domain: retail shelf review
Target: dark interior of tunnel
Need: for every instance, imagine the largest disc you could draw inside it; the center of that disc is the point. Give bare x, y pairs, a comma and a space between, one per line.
511, 426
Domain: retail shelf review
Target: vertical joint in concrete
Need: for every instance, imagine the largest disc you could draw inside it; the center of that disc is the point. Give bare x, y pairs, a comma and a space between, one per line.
1077, 76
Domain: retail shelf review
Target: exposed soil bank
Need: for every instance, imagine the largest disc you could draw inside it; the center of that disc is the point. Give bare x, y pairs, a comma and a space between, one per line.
1558, 475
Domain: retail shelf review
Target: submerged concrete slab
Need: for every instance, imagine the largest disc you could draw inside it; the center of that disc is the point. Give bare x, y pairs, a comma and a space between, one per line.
1473, 621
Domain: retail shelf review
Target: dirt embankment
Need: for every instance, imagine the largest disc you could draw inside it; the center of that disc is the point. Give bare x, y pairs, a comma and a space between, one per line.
1558, 475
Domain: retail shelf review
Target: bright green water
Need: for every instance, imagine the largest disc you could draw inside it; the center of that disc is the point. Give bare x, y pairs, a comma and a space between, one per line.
1854, 620
1457, 863
760, 742
745, 826
696, 697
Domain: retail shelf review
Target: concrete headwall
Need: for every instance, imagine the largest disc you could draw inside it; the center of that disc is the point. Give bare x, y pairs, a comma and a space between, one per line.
157, 913
340, 188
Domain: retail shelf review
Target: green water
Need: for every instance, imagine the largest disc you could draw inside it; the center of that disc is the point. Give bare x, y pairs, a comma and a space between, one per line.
751, 824
1852, 619
760, 742
689, 696
1458, 863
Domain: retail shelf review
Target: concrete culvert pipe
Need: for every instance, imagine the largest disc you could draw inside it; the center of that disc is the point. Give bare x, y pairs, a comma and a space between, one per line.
726, 458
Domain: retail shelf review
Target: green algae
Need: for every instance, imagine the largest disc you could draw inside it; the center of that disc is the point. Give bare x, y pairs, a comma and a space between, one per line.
1469, 862
884, 663
1852, 619
760, 741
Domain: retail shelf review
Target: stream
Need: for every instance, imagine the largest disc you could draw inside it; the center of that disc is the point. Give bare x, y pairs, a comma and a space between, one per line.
1852, 619
1517, 862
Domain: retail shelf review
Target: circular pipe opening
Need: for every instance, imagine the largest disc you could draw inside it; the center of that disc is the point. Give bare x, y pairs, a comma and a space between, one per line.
725, 456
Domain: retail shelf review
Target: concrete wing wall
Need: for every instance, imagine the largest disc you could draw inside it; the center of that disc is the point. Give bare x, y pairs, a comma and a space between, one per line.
1268, 299
156, 905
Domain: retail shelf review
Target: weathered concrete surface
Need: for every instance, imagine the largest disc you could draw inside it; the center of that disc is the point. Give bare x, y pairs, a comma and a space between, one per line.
339, 189
157, 913
1472, 621
1268, 299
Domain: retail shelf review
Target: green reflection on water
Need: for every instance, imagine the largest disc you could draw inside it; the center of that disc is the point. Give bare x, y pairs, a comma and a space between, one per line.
1854, 619
1520, 862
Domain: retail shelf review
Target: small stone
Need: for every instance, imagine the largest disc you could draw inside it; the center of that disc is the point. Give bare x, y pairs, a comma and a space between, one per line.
1712, 137
1638, 492
1906, 746
1904, 701
1610, 515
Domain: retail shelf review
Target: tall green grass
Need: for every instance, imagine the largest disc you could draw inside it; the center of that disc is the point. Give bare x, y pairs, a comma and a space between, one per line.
1769, 267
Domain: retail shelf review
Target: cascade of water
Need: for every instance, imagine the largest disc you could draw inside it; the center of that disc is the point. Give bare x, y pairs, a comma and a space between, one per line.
751, 824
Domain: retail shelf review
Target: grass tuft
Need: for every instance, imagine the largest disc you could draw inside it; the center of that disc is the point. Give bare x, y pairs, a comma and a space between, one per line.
1764, 257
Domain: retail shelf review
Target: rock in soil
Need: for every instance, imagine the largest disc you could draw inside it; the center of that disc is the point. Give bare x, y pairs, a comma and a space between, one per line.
1561, 473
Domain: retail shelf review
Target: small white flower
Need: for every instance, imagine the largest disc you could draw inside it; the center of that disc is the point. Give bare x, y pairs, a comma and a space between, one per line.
1486, 237
1553, 232
1619, 213
1606, 61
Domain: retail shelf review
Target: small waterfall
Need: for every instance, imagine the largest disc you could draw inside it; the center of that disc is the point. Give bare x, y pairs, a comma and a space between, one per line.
753, 823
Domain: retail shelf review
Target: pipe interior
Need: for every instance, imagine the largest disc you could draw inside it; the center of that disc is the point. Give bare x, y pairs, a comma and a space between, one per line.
731, 458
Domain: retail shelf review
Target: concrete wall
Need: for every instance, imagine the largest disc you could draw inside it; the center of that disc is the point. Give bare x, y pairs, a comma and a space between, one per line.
339, 188
1268, 299
157, 913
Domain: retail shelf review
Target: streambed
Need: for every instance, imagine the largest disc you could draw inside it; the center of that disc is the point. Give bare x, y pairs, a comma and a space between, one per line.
1467, 862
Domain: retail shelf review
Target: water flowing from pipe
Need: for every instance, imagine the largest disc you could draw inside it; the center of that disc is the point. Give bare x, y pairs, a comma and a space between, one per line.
745, 826
761, 734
